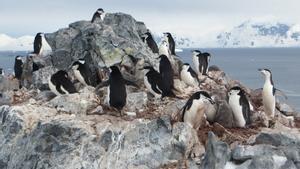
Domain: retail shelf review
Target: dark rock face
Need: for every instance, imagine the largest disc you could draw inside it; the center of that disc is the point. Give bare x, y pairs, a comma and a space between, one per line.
217, 153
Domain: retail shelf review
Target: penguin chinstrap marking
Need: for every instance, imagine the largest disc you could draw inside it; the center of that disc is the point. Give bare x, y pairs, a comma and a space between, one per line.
83, 73
167, 74
99, 14
148, 39
268, 93
59, 83
201, 61
116, 88
193, 112
152, 81
189, 76
38, 44
240, 106
168, 37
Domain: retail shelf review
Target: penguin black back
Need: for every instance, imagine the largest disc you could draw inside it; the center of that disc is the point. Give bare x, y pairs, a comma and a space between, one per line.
37, 44
154, 79
81, 68
18, 67
151, 42
171, 43
62, 83
117, 89
167, 73
203, 62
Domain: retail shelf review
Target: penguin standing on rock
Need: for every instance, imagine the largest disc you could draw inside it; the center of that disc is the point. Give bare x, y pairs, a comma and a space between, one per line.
194, 109
170, 40
99, 14
201, 61
18, 69
116, 90
240, 106
38, 44
59, 83
167, 73
83, 73
268, 93
189, 76
152, 81
148, 39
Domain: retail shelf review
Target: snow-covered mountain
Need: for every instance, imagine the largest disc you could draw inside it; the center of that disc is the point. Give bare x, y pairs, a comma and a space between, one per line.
264, 34
23, 43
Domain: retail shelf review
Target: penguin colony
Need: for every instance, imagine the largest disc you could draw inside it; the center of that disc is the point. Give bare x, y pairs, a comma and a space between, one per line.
158, 81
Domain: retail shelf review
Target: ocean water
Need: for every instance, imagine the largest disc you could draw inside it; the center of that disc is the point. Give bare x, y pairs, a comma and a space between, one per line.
239, 64
243, 64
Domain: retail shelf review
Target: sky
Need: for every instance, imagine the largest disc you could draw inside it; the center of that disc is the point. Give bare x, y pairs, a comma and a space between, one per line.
181, 17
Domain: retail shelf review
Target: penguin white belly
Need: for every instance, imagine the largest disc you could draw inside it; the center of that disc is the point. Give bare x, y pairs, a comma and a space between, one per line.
108, 95
210, 113
234, 102
53, 87
194, 115
148, 86
196, 63
79, 77
268, 100
188, 79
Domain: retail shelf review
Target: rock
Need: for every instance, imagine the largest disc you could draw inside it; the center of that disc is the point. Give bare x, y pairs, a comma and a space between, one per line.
289, 165
217, 153
224, 115
78, 103
285, 109
44, 139
7, 84
102, 43
42, 76
45, 96
136, 102
243, 153
277, 139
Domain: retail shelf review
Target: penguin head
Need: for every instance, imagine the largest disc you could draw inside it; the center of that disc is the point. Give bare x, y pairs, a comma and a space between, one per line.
147, 69
185, 66
18, 58
100, 11
163, 57
235, 91
114, 69
266, 72
40, 34
75, 65
62, 74
196, 52
204, 97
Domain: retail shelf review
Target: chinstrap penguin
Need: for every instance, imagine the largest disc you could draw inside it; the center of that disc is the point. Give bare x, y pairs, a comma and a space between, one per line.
201, 61
268, 93
148, 39
193, 112
171, 43
167, 73
116, 88
189, 76
240, 106
59, 83
98, 14
152, 81
83, 73
38, 44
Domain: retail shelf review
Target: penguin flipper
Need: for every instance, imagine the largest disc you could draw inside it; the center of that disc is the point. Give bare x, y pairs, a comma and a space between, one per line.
102, 84
127, 82
59, 89
280, 93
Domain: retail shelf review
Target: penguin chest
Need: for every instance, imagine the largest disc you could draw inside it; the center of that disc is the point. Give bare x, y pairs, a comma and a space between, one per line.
79, 77
194, 115
187, 78
234, 102
268, 99
196, 63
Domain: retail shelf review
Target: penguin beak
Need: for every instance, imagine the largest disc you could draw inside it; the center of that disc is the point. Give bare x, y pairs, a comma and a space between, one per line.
260, 70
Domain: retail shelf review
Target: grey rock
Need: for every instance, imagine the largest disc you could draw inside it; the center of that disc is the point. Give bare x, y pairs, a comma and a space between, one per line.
276, 139
137, 101
217, 153
45, 96
289, 165
78, 103
285, 109
224, 115
44, 139
42, 76
243, 153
